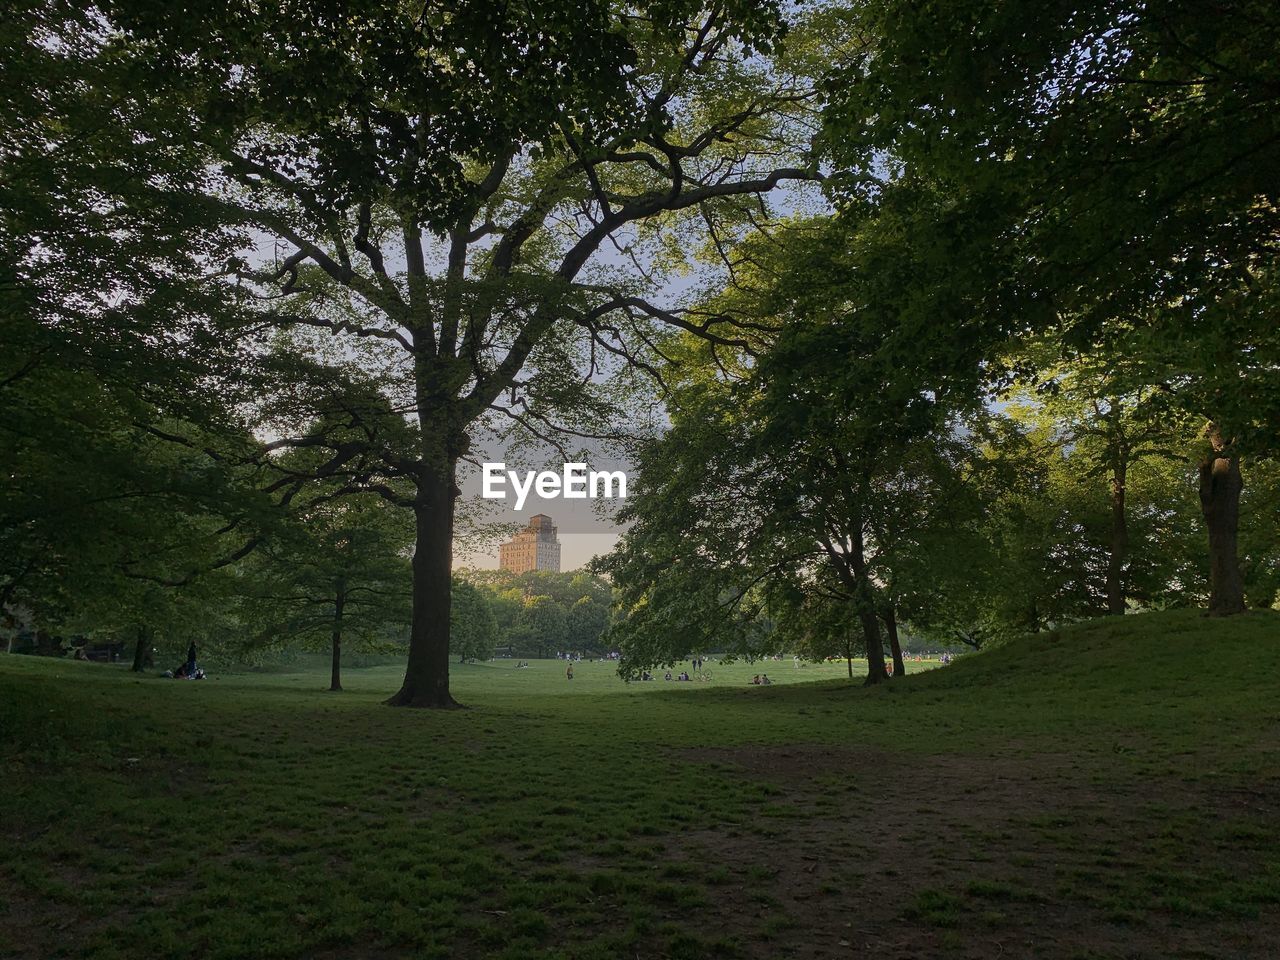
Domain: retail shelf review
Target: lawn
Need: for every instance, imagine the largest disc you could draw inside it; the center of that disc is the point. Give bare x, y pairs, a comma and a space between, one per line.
479, 684
1109, 790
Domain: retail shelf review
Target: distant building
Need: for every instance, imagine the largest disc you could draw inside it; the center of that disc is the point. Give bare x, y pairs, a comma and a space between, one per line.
533, 548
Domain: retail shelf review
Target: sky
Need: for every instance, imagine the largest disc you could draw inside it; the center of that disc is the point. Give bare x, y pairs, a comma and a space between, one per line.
576, 550
586, 527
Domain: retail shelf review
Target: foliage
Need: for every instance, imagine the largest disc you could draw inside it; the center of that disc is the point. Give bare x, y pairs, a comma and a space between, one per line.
340, 567
789, 484
473, 632
1114, 158
107, 527
541, 613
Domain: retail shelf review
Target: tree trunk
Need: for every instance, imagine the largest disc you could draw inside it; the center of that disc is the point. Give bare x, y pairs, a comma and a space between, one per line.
1220, 486
891, 628
142, 649
1119, 538
865, 602
426, 678
335, 673
876, 671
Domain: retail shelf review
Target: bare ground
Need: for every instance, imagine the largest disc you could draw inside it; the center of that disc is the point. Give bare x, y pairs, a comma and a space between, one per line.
979, 857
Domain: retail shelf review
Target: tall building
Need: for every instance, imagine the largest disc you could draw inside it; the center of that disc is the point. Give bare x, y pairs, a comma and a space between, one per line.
533, 548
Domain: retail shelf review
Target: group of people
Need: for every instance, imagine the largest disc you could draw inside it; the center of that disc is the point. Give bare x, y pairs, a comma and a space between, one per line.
760, 680
683, 675
188, 669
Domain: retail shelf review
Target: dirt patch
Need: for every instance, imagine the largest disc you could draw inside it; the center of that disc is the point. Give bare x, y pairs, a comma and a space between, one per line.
858, 852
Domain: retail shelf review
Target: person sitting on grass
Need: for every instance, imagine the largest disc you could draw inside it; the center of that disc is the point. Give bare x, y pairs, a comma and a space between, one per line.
764, 679
755, 680
668, 675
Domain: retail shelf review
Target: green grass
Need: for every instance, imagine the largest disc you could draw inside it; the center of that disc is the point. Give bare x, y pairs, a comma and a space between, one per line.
1114, 782
501, 679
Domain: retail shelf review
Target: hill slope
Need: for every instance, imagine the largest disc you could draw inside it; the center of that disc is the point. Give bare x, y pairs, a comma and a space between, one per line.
1107, 790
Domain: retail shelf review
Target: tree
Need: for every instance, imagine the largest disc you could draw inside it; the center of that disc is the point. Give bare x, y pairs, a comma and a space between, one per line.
520, 605
335, 573
585, 623
105, 526
542, 626
455, 244
474, 629
1119, 154
786, 478
1106, 415
113, 347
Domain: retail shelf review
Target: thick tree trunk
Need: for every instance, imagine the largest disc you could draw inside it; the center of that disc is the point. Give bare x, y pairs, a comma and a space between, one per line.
895, 647
876, 671
1119, 539
426, 678
335, 670
1220, 486
141, 649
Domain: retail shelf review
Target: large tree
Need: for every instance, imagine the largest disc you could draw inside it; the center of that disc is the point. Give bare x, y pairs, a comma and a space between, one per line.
1122, 154
785, 475
435, 185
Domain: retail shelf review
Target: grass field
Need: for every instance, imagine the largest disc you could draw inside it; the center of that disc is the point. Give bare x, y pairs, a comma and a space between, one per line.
500, 679
1110, 790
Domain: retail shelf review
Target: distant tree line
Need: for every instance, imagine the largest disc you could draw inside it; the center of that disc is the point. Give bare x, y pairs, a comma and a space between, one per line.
541, 613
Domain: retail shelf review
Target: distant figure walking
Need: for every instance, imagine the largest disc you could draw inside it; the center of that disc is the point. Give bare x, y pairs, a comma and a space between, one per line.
568, 674
190, 666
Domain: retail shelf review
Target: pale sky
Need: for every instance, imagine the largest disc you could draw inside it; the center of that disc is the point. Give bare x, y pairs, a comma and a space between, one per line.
576, 550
